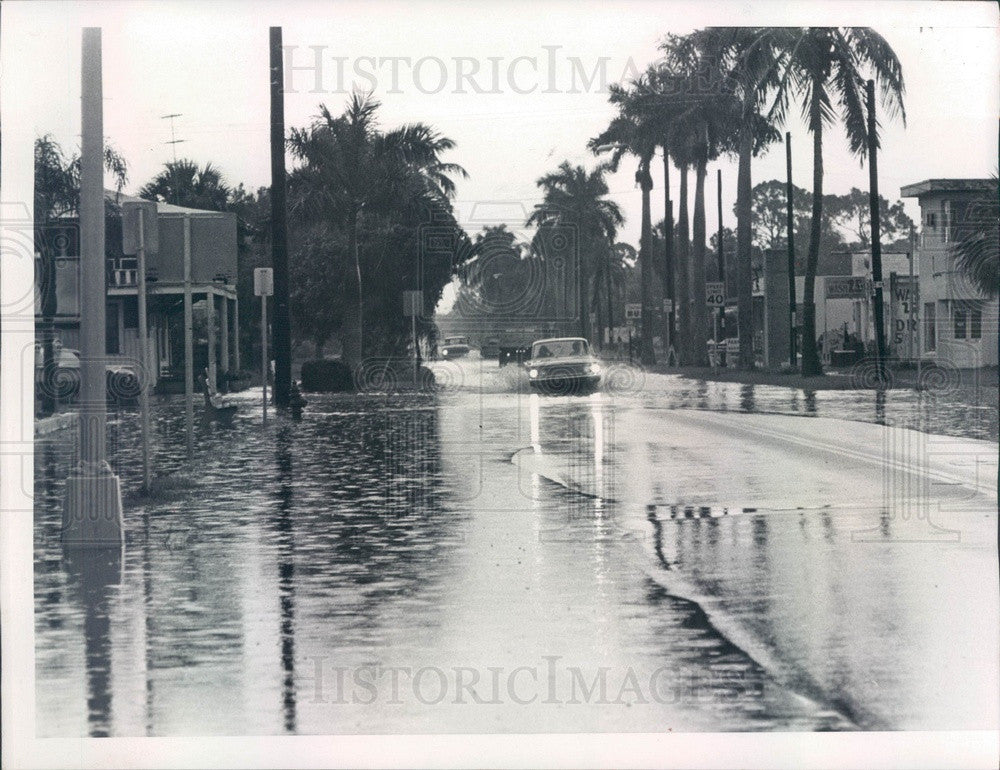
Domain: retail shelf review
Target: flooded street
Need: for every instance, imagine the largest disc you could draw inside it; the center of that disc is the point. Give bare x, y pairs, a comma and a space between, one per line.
661, 555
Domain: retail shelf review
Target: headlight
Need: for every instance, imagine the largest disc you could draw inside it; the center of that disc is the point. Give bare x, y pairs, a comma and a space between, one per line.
595, 368
533, 373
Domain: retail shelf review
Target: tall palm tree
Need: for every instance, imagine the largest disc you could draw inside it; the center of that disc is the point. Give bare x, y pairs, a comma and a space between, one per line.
826, 68
633, 132
183, 183
749, 58
350, 168
576, 198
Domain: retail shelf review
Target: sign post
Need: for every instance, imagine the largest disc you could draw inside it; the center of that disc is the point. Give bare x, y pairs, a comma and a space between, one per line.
263, 287
413, 305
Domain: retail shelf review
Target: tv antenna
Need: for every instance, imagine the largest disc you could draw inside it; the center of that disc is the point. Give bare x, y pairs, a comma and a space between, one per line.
173, 139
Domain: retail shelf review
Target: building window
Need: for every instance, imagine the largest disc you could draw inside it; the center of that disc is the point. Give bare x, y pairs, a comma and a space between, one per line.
976, 324
111, 340
931, 219
961, 322
930, 330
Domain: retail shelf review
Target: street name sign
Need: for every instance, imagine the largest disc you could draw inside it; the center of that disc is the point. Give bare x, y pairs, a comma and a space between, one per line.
847, 287
263, 282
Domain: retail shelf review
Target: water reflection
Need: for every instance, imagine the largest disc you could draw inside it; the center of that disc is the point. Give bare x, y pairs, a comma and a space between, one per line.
747, 401
95, 575
284, 528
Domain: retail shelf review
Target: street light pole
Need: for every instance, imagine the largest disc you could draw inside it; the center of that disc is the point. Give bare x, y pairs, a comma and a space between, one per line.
92, 507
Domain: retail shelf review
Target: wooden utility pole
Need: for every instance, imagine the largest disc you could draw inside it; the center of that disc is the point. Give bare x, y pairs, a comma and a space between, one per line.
279, 248
789, 202
722, 263
873, 199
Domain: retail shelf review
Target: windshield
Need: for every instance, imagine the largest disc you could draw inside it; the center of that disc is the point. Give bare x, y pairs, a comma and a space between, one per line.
559, 348
454, 341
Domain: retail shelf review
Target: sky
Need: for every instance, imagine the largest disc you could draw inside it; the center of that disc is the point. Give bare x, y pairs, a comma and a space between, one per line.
517, 85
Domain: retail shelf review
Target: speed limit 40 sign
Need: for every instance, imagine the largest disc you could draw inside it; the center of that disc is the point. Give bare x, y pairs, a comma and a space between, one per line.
715, 294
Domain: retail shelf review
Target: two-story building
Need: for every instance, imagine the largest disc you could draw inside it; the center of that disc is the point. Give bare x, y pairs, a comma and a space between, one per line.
958, 324
212, 254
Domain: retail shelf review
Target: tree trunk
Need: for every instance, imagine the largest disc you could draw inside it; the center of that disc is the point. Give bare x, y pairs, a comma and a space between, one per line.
811, 364
647, 357
699, 315
583, 252
607, 285
683, 344
744, 269
353, 319
670, 331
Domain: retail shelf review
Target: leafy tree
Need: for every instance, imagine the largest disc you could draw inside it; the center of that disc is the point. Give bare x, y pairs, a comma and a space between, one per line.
379, 188
852, 213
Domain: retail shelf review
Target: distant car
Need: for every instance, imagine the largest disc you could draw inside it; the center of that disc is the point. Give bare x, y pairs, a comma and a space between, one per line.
490, 348
455, 347
122, 382
563, 365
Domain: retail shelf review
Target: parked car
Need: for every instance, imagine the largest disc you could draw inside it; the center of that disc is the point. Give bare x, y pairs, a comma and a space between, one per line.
563, 365
455, 347
122, 381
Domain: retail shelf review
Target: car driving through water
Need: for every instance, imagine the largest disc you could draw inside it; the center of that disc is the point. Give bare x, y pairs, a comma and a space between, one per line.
563, 365
455, 347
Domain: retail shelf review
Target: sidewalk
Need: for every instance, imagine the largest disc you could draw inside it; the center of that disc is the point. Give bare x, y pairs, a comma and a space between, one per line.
833, 379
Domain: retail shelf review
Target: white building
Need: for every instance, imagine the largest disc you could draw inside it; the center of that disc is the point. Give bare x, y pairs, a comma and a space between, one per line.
958, 325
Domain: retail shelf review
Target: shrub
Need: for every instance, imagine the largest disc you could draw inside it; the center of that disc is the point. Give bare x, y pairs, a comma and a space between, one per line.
326, 375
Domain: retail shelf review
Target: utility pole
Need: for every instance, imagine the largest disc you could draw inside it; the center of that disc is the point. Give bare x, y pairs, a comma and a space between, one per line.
279, 246
789, 194
722, 266
873, 198
92, 506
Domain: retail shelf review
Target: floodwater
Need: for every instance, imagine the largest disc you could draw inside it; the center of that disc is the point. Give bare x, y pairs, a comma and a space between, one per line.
662, 555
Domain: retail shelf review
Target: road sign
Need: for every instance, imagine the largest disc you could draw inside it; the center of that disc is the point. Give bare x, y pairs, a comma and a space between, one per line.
668, 306
633, 310
413, 303
847, 287
131, 212
715, 293
263, 282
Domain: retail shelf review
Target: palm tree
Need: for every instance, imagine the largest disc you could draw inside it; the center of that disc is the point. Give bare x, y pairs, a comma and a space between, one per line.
748, 59
977, 249
826, 68
635, 133
349, 169
576, 198
183, 183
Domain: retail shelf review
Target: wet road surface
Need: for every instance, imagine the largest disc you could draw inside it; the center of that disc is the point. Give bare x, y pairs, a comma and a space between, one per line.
658, 556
